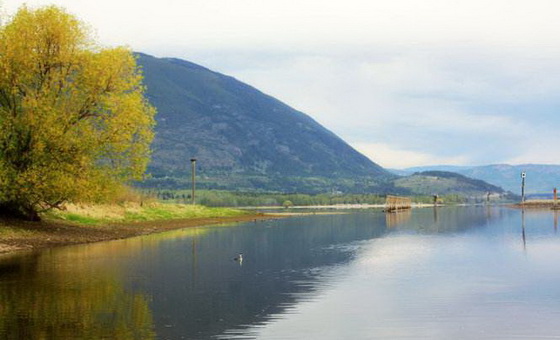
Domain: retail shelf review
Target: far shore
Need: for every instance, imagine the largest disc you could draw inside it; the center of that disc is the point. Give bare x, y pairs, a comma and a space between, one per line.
333, 207
17, 236
538, 204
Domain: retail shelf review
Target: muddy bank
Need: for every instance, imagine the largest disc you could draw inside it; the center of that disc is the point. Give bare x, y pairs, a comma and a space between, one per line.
19, 235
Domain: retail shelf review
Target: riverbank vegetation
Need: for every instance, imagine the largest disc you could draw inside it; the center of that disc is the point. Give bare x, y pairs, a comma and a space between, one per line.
217, 198
127, 212
74, 123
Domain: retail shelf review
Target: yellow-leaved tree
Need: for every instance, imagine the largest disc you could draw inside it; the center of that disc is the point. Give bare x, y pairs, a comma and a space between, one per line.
74, 123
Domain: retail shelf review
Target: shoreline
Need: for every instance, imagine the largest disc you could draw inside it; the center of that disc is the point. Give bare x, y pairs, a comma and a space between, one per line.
537, 204
31, 236
356, 206
19, 236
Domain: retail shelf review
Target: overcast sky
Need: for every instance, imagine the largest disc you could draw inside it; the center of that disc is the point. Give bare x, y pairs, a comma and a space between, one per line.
406, 82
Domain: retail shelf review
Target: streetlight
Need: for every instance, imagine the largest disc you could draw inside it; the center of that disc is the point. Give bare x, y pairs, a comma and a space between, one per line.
193, 173
523, 175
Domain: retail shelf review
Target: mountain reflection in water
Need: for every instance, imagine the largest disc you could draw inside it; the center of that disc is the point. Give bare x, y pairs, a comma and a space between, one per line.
421, 273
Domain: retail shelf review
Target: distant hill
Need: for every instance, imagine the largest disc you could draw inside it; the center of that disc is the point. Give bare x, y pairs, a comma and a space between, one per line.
411, 170
445, 183
242, 138
541, 178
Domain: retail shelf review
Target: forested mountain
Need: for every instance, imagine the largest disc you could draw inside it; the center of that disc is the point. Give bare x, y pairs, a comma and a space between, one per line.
243, 138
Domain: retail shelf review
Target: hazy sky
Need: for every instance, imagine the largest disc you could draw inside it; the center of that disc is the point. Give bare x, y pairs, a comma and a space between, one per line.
407, 82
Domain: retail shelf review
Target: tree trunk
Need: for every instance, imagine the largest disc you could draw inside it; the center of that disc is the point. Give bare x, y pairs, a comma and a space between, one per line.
19, 211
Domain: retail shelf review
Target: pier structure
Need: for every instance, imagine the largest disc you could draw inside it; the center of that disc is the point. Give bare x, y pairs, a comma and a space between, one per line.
396, 203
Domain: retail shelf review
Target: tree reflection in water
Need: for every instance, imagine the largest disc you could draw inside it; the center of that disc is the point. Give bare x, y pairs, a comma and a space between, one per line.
185, 284
40, 299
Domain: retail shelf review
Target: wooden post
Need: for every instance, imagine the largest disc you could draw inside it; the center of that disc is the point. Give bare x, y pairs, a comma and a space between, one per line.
193, 174
523, 174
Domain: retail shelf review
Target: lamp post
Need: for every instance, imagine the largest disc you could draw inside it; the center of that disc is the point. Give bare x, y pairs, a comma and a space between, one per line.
523, 175
193, 174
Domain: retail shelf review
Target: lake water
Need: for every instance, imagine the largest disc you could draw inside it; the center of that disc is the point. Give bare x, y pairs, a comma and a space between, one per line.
446, 273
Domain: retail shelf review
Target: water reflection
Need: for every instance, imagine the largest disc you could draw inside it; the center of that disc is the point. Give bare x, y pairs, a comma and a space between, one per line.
283, 262
432, 280
443, 220
523, 230
80, 292
536, 222
555, 220
359, 275
45, 299
183, 284
397, 217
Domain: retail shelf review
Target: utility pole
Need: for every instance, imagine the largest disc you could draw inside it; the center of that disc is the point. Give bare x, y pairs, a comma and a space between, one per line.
193, 173
523, 175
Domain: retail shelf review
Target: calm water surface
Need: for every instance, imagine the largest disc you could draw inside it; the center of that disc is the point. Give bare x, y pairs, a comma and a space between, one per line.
446, 273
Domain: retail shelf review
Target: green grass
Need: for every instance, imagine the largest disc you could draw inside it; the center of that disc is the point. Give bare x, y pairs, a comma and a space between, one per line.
81, 219
180, 211
101, 214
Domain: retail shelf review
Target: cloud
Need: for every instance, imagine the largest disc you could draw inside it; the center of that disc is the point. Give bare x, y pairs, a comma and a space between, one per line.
432, 104
434, 81
211, 23
538, 149
391, 157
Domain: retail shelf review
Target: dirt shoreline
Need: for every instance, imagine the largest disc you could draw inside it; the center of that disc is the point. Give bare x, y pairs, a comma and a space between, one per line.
47, 234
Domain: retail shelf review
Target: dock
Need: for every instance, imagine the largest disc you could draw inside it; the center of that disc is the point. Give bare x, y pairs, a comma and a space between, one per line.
396, 203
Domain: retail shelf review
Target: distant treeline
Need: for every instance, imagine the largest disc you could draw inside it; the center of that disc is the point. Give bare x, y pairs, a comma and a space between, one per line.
213, 198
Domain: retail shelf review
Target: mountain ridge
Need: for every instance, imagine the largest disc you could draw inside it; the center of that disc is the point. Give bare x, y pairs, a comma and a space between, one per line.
237, 132
446, 182
246, 140
541, 178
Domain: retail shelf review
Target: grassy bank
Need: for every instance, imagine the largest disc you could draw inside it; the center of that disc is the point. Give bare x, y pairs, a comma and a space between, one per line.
93, 223
136, 212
